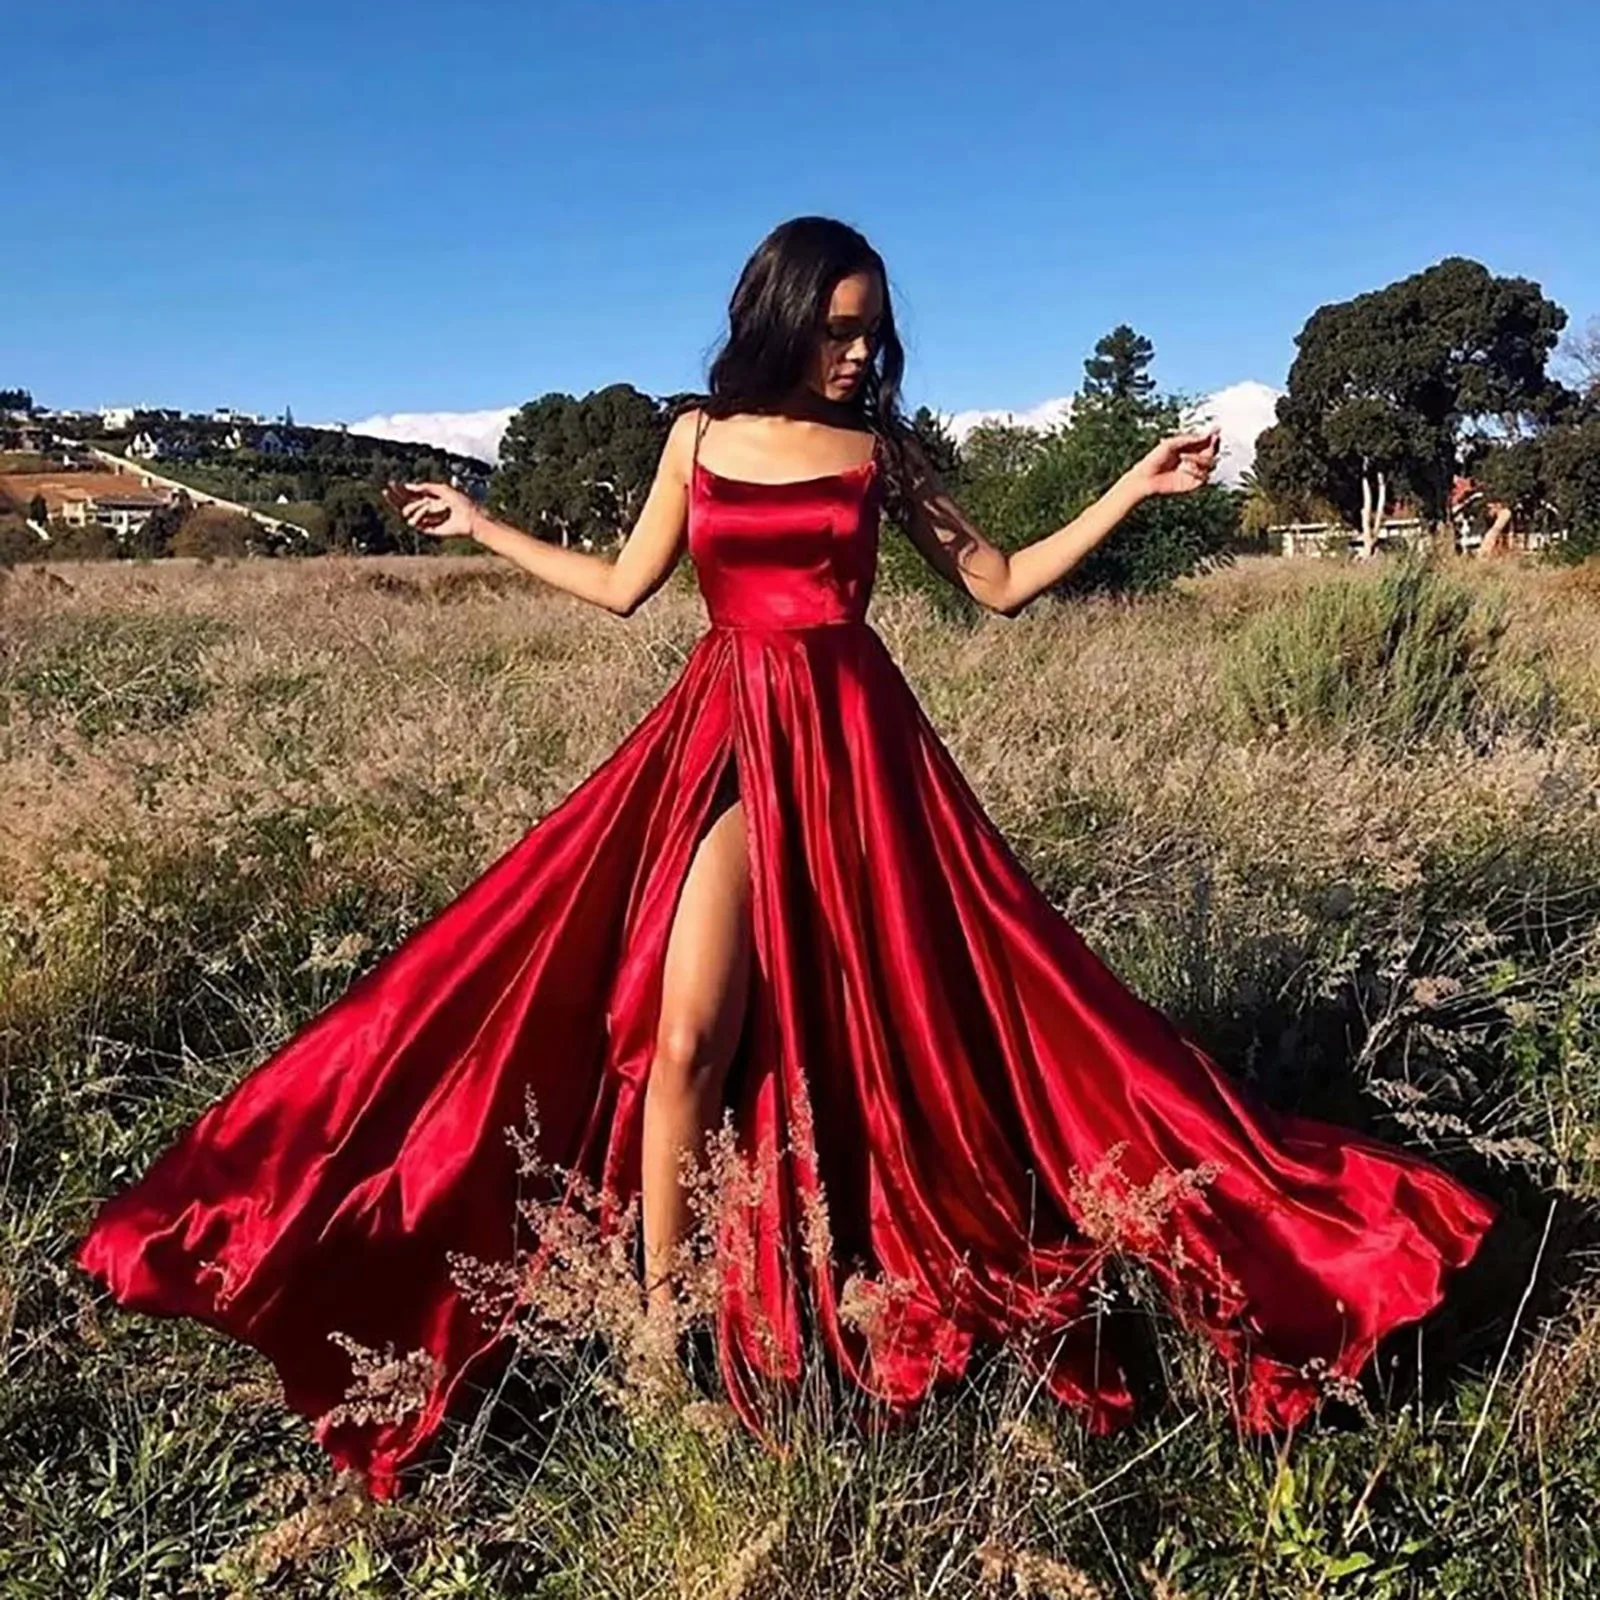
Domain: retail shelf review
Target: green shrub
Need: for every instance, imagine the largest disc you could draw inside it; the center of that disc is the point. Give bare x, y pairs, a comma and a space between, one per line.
214, 531
91, 542
18, 542
1412, 656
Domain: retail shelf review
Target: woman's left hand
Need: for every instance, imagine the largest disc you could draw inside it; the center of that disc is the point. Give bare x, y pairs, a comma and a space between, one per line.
1181, 462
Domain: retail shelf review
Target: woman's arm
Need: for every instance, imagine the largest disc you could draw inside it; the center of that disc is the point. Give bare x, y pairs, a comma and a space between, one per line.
952, 545
620, 584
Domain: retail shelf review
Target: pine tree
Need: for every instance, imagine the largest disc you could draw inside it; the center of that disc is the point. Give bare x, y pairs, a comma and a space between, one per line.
1117, 369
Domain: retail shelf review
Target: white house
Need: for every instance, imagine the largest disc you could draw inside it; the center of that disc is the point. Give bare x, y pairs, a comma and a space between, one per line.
124, 513
272, 443
115, 419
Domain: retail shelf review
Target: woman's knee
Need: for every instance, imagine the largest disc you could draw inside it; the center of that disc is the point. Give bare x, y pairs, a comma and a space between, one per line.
689, 1057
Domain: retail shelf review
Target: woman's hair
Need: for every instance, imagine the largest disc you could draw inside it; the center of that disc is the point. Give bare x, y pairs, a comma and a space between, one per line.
776, 318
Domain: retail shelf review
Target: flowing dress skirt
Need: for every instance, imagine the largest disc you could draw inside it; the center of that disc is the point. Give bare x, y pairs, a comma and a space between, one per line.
958, 1086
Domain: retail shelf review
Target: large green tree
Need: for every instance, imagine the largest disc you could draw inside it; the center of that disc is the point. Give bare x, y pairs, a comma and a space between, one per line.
572, 468
1388, 388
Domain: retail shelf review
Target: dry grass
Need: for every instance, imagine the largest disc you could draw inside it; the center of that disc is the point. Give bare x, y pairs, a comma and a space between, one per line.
225, 787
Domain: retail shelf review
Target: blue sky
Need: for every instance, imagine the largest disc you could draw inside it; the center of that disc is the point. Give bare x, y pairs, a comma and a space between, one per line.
355, 209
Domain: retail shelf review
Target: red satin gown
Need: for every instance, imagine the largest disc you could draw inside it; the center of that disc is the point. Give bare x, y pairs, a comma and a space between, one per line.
940, 1053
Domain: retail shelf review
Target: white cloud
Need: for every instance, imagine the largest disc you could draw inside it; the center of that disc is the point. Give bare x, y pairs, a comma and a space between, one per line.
1044, 415
468, 433
1241, 410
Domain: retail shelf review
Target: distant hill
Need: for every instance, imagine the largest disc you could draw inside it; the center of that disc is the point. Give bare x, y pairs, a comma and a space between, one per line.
323, 482
265, 456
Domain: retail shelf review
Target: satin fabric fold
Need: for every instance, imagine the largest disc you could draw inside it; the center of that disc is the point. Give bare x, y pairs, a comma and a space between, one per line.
934, 1062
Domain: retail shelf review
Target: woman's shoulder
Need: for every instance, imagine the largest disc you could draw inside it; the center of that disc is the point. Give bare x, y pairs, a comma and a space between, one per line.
687, 419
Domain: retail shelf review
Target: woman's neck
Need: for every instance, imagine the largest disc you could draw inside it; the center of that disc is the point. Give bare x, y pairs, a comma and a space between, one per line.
806, 405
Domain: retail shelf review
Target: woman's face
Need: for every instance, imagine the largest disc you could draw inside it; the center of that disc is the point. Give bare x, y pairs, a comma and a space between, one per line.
849, 336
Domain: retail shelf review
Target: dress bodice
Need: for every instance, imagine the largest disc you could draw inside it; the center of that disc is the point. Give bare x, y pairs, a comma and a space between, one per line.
798, 554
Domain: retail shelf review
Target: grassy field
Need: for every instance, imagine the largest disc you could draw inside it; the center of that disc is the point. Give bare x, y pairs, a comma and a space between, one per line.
1343, 825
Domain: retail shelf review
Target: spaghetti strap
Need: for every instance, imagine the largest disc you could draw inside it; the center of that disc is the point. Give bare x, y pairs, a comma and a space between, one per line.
702, 421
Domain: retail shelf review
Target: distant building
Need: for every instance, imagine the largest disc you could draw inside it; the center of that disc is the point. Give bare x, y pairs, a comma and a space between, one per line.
117, 419
123, 511
148, 446
273, 443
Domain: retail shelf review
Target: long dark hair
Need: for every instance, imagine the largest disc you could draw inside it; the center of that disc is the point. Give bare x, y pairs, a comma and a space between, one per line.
776, 316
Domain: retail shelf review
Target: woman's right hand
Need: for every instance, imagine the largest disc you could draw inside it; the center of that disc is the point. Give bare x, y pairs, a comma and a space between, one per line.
444, 512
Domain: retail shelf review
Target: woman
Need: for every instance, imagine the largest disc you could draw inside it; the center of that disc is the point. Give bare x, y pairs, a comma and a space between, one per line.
780, 897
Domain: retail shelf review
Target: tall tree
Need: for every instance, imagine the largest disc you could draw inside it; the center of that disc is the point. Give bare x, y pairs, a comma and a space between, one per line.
1388, 388
573, 468
1118, 369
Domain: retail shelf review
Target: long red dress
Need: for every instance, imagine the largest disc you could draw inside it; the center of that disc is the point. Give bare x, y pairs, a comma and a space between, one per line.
941, 1054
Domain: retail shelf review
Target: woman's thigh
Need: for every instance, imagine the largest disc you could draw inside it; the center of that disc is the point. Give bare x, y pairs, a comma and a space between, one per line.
709, 951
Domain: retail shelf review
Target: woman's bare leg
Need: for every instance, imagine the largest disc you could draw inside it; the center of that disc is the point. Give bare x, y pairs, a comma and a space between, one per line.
704, 986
